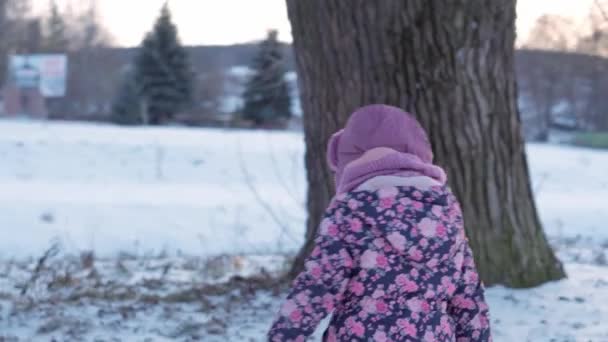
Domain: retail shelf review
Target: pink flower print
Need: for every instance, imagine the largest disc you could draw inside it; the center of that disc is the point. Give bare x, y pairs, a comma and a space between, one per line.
400, 208
328, 302
381, 306
424, 243
417, 194
475, 322
432, 263
414, 232
429, 337
429, 294
425, 306
332, 230
415, 254
331, 335
471, 277
311, 264
428, 227
368, 259
405, 201
414, 273
448, 285
316, 272
288, 307
414, 305
407, 327
485, 323
353, 204
381, 261
441, 231
324, 226
295, 316
380, 336
356, 225
378, 293
358, 329
451, 289
349, 322
346, 258
446, 327
302, 298
401, 279
316, 251
463, 302
379, 242
369, 305
410, 286
357, 288
458, 259
397, 240
437, 210
417, 205
386, 203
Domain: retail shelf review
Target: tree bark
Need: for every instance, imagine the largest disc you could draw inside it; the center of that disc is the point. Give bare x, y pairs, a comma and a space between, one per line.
451, 63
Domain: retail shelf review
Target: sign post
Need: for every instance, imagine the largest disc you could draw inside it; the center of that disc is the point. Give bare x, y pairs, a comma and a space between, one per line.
31, 79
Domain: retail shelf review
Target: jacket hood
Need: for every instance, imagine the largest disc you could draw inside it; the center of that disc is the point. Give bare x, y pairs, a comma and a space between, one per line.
424, 225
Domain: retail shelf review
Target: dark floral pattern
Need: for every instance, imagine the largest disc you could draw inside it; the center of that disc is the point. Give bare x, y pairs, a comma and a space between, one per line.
392, 265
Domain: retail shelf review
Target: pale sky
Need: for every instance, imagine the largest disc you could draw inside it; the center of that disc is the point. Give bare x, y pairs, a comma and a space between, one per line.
236, 21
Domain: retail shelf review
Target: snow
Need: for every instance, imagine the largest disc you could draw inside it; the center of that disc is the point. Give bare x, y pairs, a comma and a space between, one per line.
111, 189
571, 190
167, 210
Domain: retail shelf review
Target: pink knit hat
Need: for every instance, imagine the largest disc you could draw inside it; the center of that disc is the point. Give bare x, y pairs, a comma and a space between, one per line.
378, 126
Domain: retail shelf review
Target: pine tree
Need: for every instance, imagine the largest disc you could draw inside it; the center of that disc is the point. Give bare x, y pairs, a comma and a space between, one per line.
163, 72
267, 98
127, 105
56, 38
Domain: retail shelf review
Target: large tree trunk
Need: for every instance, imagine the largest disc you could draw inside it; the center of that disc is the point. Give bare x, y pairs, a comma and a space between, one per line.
451, 63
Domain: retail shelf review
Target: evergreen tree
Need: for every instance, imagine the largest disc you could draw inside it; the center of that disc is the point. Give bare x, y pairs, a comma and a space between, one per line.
127, 105
163, 72
56, 37
267, 98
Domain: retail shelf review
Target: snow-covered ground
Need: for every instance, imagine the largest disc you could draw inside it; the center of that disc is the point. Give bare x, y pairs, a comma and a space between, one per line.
168, 210
113, 189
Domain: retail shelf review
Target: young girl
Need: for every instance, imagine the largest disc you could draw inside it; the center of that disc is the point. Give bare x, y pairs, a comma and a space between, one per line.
391, 259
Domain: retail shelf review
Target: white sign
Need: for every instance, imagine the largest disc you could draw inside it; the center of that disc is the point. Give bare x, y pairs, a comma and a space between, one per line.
52, 70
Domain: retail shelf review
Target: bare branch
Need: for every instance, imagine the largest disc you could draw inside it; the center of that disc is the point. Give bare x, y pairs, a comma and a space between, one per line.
49, 253
259, 199
280, 177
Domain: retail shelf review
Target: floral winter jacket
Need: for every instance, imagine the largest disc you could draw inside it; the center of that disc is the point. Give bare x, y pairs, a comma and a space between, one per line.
392, 265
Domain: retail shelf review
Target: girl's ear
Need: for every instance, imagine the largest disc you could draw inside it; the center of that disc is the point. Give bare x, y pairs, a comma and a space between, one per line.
332, 150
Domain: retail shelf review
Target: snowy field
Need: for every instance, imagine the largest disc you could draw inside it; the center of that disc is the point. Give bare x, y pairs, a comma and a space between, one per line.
171, 214
111, 190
